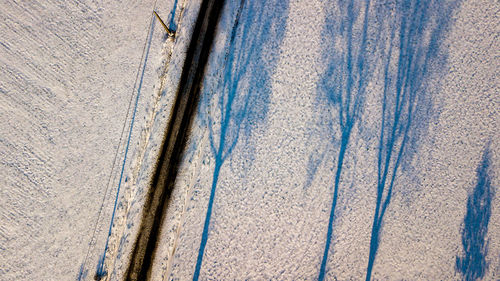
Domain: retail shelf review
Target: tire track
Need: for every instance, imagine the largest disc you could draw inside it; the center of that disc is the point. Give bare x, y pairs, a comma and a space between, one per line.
137, 163
163, 179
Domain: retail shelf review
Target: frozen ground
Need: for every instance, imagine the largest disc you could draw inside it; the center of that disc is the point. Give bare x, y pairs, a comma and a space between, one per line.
333, 140
67, 73
343, 140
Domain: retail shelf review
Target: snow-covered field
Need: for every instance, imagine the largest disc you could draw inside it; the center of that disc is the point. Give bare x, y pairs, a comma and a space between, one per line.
344, 140
67, 73
335, 140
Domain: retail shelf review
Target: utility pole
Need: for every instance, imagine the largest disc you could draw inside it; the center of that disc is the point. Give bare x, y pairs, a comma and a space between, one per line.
170, 33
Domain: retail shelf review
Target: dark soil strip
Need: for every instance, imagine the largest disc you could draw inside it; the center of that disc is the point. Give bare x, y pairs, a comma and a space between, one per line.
174, 141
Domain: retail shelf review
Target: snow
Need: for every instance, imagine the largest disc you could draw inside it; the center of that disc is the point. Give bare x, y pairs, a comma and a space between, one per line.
268, 142
288, 126
67, 75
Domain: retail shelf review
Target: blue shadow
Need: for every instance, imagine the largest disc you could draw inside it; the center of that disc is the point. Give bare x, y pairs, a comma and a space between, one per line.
241, 108
101, 272
172, 25
407, 64
400, 40
343, 87
472, 264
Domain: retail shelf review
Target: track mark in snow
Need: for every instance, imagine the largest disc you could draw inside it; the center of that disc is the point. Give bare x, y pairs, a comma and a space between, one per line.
130, 192
100, 272
144, 251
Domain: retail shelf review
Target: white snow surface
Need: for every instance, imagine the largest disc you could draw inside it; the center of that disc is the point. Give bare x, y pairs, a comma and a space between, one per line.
67, 72
275, 175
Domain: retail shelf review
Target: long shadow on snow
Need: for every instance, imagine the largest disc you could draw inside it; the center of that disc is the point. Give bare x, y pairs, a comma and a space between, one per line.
174, 141
344, 86
100, 271
400, 40
472, 265
243, 92
415, 36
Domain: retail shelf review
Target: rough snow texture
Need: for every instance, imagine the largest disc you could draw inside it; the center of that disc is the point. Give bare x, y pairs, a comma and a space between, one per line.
67, 72
129, 213
300, 114
290, 85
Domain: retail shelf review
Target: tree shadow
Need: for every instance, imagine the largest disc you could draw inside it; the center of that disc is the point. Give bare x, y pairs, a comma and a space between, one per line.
472, 264
395, 45
242, 93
